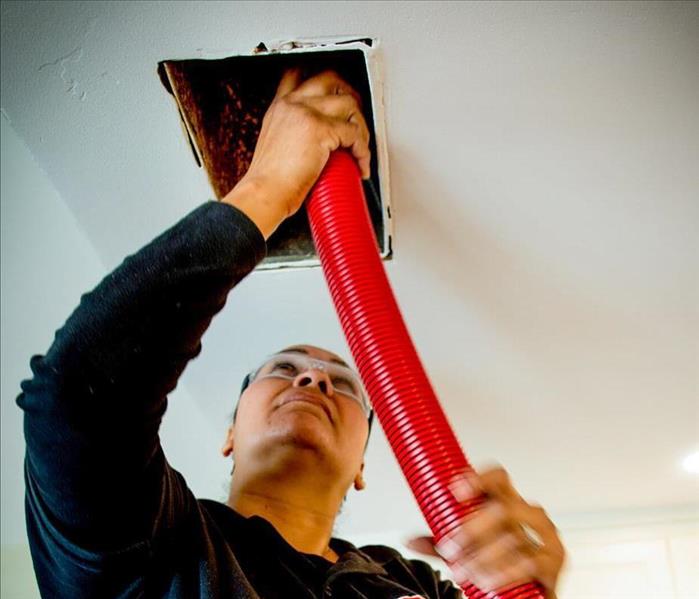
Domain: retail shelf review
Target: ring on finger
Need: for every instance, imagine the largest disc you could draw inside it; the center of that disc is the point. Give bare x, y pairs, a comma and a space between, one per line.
533, 538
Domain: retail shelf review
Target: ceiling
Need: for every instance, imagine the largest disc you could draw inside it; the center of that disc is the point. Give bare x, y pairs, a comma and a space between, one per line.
543, 163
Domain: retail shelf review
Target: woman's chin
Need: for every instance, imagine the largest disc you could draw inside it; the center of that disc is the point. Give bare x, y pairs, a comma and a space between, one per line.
301, 428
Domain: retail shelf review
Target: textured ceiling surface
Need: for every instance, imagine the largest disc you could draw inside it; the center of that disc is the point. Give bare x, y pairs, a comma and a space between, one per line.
543, 162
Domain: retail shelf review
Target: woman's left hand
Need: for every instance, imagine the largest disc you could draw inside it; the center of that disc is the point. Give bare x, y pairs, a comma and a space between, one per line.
507, 542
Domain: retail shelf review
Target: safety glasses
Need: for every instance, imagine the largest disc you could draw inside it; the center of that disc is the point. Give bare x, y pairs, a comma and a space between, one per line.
289, 365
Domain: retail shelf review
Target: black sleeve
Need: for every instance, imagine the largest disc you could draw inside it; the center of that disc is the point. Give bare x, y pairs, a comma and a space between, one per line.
96, 476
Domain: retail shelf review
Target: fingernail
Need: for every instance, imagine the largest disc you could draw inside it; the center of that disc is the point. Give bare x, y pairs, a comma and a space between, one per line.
448, 549
366, 170
462, 489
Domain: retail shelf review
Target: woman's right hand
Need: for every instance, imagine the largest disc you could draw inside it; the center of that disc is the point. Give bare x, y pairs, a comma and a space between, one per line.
304, 124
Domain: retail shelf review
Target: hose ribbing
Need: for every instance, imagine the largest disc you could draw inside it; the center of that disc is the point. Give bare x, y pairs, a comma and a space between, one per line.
415, 424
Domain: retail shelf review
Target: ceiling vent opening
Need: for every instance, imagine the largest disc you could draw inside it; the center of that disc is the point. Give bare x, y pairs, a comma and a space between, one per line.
222, 101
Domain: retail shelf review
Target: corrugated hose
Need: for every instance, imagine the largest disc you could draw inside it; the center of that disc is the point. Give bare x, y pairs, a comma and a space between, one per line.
415, 424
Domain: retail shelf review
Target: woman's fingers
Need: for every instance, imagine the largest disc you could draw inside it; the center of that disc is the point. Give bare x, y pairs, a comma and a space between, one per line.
547, 567
303, 125
345, 109
476, 531
351, 135
340, 107
507, 541
332, 97
533, 517
495, 482
422, 544
324, 84
289, 82
517, 570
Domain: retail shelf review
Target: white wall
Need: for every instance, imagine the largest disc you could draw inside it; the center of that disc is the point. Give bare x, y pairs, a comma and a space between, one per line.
557, 235
647, 554
46, 264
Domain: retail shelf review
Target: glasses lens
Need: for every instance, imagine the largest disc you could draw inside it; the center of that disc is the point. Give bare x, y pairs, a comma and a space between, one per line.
289, 365
281, 365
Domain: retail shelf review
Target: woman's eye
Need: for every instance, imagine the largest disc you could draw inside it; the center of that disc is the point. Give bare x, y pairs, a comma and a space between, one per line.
345, 385
284, 367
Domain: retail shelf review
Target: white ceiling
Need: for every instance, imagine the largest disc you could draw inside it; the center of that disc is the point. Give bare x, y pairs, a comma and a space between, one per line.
543, 161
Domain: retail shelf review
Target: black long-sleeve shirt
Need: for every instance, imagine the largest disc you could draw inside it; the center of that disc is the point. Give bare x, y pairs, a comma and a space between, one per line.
107, 516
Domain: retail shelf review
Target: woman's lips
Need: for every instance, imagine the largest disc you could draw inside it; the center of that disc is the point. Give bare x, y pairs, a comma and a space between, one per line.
307, 398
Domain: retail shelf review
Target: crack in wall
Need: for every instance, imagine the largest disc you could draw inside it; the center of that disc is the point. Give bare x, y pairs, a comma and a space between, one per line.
71, 83
73, 86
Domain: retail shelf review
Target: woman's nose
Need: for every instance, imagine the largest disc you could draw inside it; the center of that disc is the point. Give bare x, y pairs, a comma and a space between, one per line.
314, 378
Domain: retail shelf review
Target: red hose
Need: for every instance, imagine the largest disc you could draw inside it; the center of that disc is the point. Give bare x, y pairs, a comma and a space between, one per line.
410, 414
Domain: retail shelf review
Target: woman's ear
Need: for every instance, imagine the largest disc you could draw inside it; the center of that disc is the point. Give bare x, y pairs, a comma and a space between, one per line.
227, 447
359, 483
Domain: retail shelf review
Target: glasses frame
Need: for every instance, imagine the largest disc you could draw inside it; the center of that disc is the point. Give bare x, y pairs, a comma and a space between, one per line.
321, 365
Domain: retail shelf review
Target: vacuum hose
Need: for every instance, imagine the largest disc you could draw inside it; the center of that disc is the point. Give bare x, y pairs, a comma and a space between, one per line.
415, 424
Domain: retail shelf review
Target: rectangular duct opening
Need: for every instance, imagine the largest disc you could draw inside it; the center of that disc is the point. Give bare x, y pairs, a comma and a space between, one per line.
222, 101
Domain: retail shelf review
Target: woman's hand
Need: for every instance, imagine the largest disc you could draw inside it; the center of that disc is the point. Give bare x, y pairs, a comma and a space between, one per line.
304, 124
507, 542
